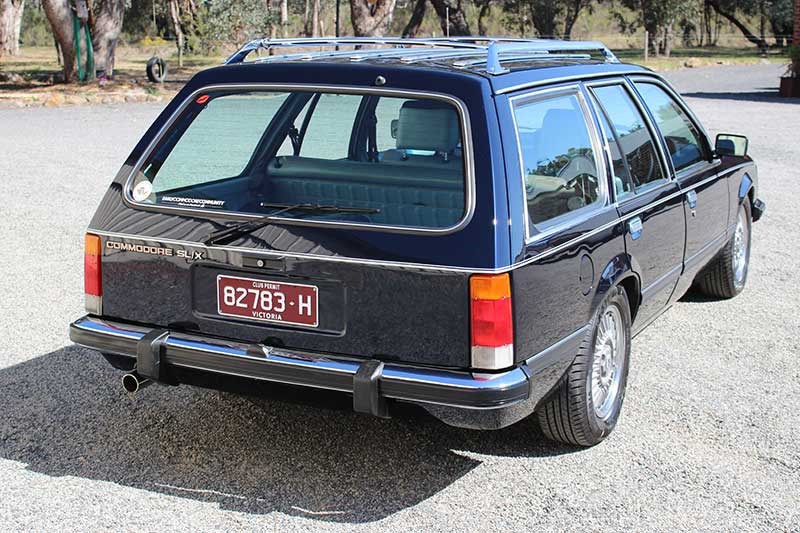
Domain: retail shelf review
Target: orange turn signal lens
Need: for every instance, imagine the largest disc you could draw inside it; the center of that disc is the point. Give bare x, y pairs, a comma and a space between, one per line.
489, 287
92, 244
92, 280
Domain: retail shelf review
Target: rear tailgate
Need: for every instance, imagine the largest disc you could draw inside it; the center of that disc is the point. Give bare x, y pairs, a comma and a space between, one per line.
357, 308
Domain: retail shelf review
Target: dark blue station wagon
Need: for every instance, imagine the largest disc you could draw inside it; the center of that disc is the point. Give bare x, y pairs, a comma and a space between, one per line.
475, 226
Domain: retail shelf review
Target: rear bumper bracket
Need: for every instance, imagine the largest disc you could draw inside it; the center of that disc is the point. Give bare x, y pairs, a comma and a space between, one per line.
758, 209
366, 390
148, 354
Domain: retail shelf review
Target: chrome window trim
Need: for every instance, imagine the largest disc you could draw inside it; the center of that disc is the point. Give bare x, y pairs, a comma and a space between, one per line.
563, 79
467, 149
568, 219
655, 134
413, 266
606, 147
695, 168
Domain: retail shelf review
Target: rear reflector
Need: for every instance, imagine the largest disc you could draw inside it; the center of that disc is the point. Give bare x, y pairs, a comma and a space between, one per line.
92, 280
491, 322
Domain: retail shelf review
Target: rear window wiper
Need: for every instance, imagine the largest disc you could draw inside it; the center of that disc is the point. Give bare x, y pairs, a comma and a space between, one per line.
242, 228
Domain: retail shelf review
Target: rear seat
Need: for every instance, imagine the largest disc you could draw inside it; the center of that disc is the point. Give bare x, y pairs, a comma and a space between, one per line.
410, 190
422, 196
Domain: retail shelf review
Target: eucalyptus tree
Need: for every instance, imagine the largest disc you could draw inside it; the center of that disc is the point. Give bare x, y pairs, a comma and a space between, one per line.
10, 25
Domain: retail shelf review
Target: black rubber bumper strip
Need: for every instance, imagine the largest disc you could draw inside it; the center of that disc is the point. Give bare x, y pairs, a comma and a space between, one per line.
366, 390
758, 209
149, 352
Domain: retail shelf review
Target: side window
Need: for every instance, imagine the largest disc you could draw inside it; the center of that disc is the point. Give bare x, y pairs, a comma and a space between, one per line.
332, 112
682, 136
631, 136
557, 157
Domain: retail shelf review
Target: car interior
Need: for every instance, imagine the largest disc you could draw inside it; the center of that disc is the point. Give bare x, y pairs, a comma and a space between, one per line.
418, 182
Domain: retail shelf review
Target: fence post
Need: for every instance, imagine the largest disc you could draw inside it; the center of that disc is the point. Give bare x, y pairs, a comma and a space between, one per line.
646, 44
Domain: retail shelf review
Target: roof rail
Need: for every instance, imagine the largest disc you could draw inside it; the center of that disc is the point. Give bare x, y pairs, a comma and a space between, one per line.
494, 49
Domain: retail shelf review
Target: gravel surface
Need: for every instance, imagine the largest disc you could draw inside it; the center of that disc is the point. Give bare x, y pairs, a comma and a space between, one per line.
708, 438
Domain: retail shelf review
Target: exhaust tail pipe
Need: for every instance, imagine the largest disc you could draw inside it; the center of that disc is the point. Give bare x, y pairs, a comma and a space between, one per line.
133, 382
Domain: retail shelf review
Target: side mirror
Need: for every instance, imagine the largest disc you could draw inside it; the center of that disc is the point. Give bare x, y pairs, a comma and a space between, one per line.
730, 144
393, 127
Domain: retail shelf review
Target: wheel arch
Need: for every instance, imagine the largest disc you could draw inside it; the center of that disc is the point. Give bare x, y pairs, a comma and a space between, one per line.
620, 271
747, 189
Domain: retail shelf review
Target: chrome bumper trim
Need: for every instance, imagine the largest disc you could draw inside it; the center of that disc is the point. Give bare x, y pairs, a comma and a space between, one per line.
414, 384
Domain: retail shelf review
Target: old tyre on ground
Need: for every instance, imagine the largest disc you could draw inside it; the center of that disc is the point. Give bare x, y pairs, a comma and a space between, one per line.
726, 275
585, 407
156, 69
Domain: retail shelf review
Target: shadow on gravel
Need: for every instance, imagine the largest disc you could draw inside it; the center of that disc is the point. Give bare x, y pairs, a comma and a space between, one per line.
769, 95
64, 414
694, 296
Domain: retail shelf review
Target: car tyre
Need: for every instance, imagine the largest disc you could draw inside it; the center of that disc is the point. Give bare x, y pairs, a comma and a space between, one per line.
726, 275
585, 407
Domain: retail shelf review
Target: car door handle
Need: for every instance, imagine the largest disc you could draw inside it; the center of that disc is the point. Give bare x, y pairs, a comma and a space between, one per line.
691, 199
635, 227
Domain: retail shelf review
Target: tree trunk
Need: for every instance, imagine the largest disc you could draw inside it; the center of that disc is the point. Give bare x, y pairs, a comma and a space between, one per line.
371, 19
315, 19
666, 44
574, 9
457, 23
762, 44
543, 15
175, 17
652, 27
796, 33
486, 6
59, 15
10, 25
284, 18
107, 26
272, 28
307, 19
417, 16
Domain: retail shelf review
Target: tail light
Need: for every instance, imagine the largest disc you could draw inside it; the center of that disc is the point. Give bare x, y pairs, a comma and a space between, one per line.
492, 323
92, 275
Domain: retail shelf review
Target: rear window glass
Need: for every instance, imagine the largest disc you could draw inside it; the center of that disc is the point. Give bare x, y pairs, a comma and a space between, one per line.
358, 158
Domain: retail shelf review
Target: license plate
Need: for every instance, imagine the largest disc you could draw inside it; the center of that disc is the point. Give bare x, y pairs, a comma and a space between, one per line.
268, 301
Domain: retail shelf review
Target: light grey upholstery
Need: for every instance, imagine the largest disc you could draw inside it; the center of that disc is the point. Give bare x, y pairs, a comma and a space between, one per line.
427, 125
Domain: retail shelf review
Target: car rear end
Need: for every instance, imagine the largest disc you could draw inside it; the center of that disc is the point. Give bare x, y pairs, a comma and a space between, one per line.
340, 235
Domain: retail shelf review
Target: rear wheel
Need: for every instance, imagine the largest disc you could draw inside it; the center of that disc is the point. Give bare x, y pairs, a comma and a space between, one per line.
726, 275
584, 409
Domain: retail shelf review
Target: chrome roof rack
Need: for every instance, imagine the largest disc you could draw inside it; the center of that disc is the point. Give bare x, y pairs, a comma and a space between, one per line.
468, 51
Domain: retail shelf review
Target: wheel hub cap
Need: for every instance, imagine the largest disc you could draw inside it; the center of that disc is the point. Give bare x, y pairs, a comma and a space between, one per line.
607, 365
740, 250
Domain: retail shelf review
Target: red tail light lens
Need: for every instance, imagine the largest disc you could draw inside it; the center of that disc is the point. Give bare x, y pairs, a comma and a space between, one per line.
92, 275
492, 323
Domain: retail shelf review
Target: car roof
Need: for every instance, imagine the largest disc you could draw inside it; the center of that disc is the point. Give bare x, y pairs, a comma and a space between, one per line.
508, 63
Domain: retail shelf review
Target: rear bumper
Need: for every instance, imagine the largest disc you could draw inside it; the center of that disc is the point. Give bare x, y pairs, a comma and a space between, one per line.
370, 381
758, 209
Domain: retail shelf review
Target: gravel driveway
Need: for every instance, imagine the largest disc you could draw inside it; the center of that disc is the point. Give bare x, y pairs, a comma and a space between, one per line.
708, 438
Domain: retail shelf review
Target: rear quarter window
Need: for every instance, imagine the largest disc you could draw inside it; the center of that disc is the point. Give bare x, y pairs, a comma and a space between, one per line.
560, 170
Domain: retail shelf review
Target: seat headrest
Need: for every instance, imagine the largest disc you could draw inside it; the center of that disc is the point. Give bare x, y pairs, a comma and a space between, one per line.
562, 120
427, 125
